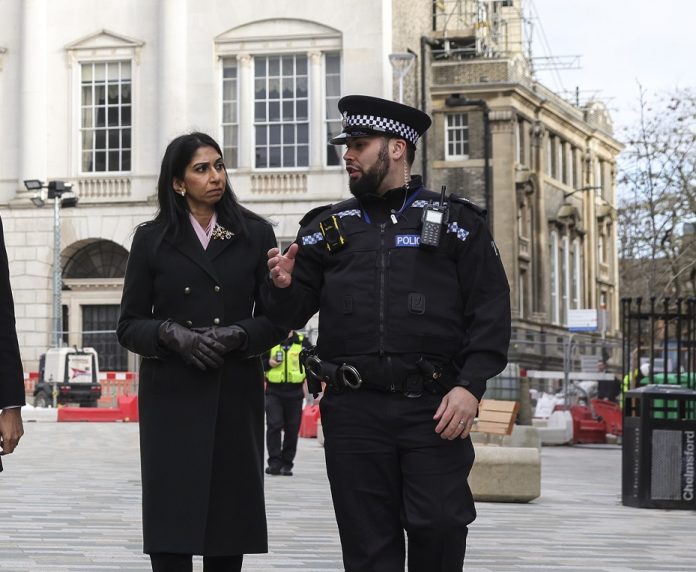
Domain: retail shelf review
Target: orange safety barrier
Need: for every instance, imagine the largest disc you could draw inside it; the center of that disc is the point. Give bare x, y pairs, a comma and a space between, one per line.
310, 419
116, 384
126, 411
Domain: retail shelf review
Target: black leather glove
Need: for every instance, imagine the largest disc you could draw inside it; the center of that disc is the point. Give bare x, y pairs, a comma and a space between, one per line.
231, 337
194, 348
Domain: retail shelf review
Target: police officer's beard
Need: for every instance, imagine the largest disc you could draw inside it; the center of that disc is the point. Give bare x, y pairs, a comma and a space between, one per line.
373, 177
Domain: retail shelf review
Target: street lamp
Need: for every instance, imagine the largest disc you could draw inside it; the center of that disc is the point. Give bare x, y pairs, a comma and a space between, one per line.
62, 197
456, 100
401, 63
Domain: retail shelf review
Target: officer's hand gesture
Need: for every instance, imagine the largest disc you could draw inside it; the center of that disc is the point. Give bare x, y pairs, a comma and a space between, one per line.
281, 265
456, 414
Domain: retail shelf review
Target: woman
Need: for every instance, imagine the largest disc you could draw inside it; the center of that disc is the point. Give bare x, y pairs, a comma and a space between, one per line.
191, 308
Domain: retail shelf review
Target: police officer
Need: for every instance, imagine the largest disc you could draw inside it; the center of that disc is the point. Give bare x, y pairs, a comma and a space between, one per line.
414, 319
284, 396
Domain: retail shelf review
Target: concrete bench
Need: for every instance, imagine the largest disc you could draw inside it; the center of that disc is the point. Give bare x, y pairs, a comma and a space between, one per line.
506, 474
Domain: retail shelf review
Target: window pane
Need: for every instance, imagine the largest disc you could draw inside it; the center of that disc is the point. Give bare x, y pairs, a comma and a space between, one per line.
273, 111
113, 137
261, 157
288, 114
100, 139
86, 117
260, 111
273, 89
230, 70
99, 95
275, 134
87, 95
100, 72
113, 164
112, 115
87, 161
261, 135
288, 134
274, 67
126, 138
302, 133
302, 110
260, 88
87, 140
126, 161
100, 161
301, 87
302, 155
301, 64
288, 156
274, 156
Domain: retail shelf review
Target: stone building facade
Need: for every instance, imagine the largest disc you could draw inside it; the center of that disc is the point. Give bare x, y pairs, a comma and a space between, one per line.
91, 93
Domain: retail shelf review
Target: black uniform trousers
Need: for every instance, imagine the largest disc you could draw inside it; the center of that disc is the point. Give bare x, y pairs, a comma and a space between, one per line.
389, 472
283, 415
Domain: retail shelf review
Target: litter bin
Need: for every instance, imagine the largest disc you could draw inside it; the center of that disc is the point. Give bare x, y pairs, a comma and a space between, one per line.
659, 447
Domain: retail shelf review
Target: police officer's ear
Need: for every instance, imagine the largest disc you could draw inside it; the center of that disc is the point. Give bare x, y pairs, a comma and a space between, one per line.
397, 149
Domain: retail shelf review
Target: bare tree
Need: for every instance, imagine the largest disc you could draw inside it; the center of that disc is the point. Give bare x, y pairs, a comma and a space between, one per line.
657, 190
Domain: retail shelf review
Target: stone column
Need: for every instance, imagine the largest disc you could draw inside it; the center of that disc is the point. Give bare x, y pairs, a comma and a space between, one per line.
171, 81
33, 102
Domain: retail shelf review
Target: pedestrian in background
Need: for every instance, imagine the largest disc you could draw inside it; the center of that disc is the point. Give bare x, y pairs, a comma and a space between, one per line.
284, 397
414, 319
191, 309
11, 370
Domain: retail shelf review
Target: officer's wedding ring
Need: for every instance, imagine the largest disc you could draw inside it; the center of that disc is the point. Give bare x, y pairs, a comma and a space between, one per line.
462, 423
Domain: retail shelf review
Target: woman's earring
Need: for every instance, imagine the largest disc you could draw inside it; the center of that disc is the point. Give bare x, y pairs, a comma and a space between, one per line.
182, 192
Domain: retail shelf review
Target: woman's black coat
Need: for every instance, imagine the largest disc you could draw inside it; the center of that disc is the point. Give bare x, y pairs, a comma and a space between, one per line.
201, 433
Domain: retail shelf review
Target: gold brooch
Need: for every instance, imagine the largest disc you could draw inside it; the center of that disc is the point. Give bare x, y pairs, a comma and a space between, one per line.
221, 233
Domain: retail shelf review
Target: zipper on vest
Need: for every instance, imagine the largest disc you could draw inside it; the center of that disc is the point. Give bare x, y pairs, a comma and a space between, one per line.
382, 279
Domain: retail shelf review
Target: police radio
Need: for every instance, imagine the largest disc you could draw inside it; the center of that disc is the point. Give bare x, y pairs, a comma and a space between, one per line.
434, 218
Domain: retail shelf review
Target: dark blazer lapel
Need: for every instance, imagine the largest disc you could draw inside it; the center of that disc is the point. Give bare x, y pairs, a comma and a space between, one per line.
189, 245
220, 239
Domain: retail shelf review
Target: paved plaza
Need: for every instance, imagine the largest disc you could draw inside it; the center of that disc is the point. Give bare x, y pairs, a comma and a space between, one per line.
70, 500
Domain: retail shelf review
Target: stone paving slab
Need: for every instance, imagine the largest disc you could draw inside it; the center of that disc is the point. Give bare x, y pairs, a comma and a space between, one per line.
70, 501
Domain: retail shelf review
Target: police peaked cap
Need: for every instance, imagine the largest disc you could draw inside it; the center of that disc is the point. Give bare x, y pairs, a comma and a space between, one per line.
365, 116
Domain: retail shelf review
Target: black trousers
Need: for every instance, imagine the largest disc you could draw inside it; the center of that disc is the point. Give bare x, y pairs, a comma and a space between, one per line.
283, 415
389, 473
163, 562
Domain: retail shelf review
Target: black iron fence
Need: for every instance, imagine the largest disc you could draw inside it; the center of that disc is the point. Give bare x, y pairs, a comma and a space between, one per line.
659, 342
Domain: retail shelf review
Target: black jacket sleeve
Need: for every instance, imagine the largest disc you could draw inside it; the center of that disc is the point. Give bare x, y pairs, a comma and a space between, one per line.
137, 329
11, 371
486, 312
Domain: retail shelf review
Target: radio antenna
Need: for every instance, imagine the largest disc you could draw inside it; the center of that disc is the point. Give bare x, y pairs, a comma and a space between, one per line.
442, 195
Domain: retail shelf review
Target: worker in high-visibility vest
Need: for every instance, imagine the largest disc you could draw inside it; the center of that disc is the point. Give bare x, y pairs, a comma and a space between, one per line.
284, 396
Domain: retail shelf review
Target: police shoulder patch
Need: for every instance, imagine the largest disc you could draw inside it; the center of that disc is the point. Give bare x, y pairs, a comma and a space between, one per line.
467, 203
307, 218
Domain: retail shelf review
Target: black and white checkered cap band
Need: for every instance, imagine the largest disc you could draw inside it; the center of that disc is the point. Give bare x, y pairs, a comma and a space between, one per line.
382, 124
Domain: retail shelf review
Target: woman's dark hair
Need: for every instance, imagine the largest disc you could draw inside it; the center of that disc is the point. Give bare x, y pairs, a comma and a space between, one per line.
173, 210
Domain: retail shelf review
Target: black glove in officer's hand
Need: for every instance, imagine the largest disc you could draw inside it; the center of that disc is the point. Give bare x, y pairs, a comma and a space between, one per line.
232, 337
194, 348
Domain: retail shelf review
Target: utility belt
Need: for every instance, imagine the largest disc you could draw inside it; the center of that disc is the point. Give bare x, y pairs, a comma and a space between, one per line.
424, 377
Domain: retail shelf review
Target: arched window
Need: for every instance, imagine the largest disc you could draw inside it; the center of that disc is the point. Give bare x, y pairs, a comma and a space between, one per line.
100, 259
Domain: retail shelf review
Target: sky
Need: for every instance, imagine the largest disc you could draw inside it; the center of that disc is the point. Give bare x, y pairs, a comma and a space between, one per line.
621, 43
